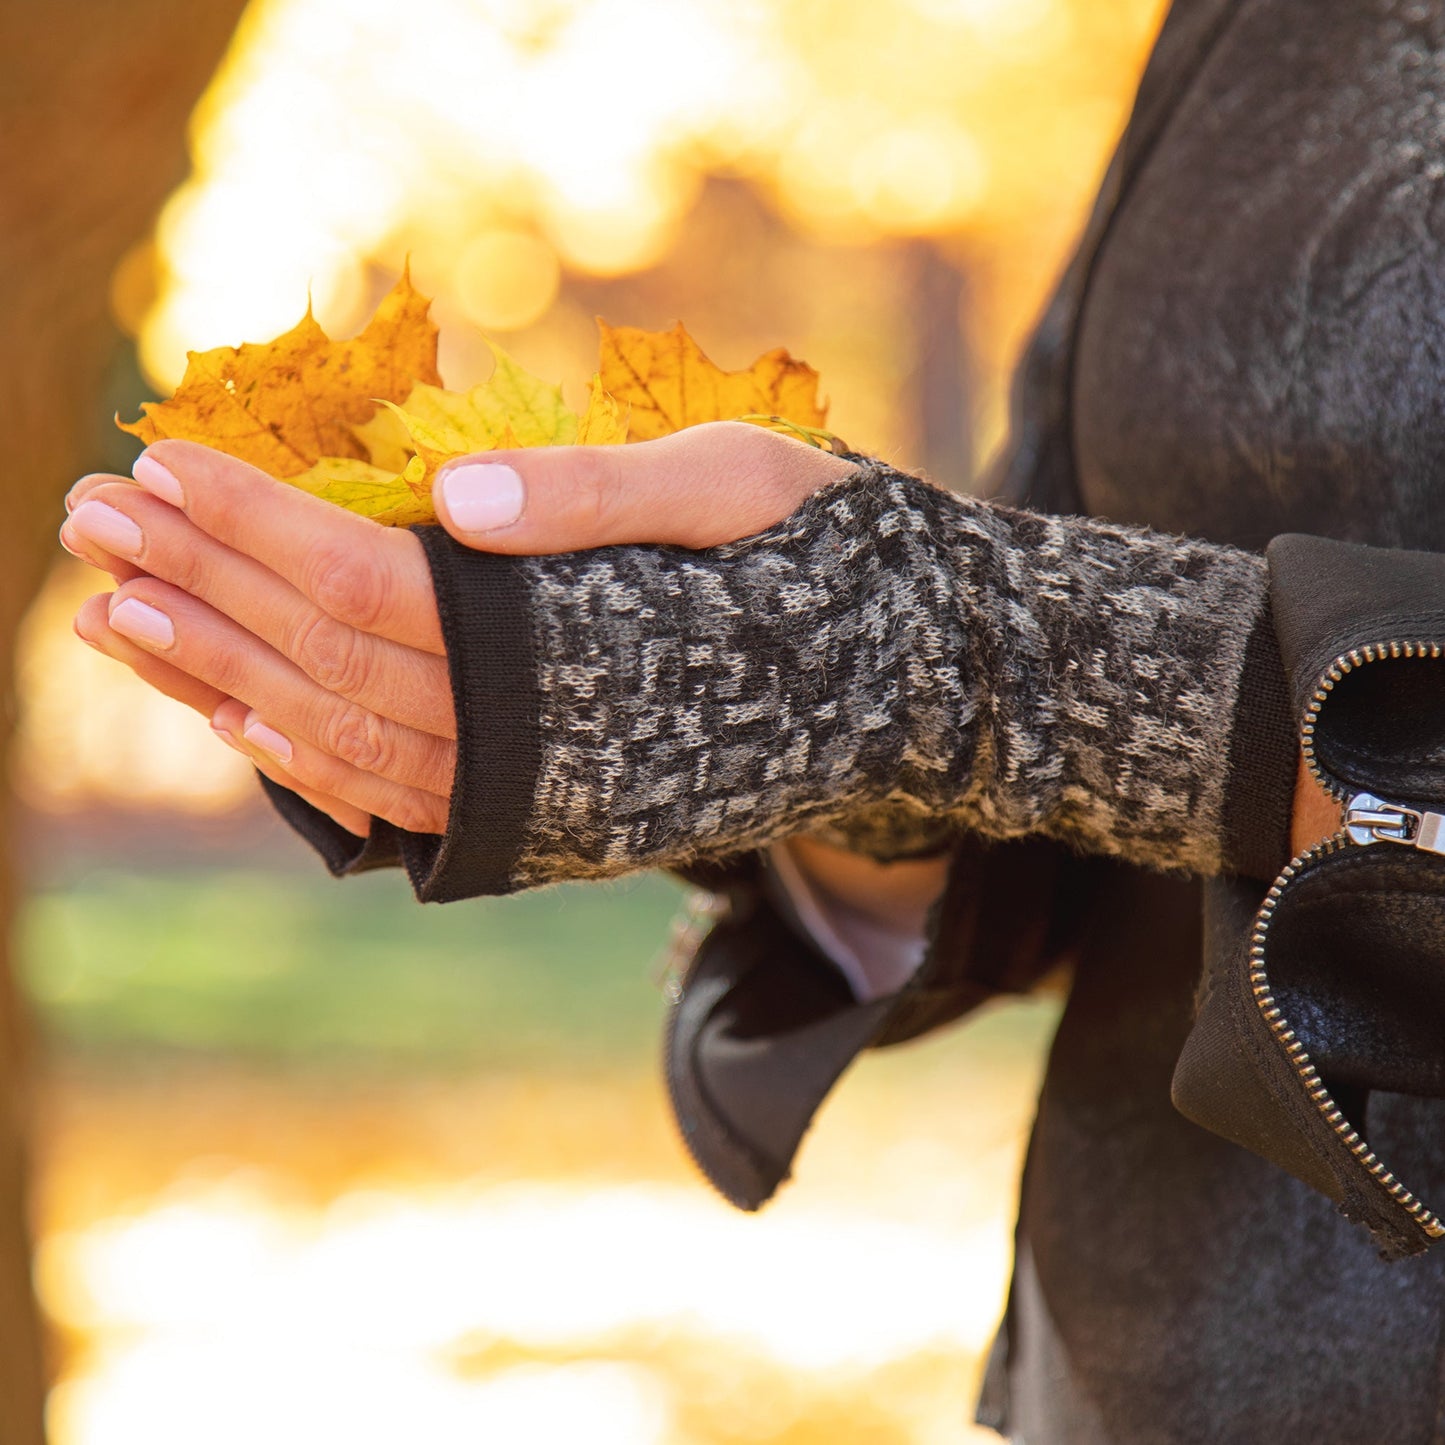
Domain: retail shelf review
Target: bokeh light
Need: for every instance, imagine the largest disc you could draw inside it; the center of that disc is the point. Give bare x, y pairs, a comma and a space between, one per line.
318, 1167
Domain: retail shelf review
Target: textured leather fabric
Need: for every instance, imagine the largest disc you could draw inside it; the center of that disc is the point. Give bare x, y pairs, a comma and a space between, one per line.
1261, 337
1253, 347
1342, 997
1175, 1289
762, 1027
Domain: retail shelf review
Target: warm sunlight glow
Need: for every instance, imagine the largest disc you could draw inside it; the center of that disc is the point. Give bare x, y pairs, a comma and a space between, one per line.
506, 279
223, 1315
344, 132
92, 729
339, 130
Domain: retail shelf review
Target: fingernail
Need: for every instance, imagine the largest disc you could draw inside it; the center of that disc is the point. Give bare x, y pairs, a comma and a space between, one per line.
157, 480
141, 622
227, 737
482, 496
268, 740
107, 528
74, 552
74, 496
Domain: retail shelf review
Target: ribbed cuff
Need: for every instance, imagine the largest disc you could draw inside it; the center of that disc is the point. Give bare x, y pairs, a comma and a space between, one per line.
1263, 762
342, 852
486, 619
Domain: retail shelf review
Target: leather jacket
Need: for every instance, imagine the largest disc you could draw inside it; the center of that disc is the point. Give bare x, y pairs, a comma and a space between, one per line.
1244, 348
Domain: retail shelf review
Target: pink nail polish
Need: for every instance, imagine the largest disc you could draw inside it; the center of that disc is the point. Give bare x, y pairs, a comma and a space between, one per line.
482, 496
142, 623
157, 480
108, 528
226, 737
268, 740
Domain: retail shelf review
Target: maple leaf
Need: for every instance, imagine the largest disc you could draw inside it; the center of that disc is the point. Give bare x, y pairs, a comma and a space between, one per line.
510, 402
606, 421
366, 423
395, 499
285, 404
669, 383
406, 443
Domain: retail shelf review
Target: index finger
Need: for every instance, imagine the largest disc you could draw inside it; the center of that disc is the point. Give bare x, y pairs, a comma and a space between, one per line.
362, 574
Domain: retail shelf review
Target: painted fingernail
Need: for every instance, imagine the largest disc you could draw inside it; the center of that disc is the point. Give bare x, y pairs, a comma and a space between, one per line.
141, 622
227, 737
66, 542
268, 740
76, 494
107, 528
157, 480
482, 496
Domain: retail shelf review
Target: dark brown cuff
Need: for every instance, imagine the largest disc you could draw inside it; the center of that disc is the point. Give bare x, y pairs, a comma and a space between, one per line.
486, 619
342, 852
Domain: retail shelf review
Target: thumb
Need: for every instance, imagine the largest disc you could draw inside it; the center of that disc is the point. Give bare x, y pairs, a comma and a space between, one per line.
695, 488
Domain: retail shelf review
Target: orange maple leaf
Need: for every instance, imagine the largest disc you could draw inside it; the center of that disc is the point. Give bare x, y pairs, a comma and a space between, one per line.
285, 404
366, 423
670, 383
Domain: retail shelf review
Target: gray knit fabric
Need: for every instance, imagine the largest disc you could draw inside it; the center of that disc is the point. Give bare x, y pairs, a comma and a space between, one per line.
889, 665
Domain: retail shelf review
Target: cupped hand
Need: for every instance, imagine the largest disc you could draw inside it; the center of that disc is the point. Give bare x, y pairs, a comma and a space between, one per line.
310, 636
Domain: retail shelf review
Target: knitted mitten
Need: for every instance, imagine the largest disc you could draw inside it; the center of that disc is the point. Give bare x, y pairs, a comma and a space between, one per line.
891, 664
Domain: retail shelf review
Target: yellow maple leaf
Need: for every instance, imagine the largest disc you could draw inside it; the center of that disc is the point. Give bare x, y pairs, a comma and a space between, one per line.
406, 443
392, 498
285, 404
366, 423
606, 421
669, 383
510, 401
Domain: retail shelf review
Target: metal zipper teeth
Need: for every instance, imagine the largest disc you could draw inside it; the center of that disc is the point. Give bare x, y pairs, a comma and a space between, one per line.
1346, 663
1295, 1050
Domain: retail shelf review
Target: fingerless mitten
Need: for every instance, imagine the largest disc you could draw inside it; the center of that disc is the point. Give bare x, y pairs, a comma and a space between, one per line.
890, 665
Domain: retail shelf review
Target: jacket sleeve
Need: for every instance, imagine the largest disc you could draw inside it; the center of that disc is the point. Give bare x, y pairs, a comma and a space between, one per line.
890, 667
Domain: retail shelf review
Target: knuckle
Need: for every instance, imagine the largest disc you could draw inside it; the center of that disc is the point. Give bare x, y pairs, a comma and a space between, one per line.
595, 485
185, 568
356, 736
330, 653
343, 582
226, 668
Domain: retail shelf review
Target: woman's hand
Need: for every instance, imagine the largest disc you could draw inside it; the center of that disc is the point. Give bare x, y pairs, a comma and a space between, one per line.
310, 636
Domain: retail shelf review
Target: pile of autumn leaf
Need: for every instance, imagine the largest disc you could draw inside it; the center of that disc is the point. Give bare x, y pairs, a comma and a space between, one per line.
366, 423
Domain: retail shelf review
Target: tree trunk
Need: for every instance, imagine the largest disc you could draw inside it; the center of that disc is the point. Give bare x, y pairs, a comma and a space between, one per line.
94, 98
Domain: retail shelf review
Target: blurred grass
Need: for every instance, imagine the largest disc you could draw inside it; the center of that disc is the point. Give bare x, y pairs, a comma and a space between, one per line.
294, 968
243, 1045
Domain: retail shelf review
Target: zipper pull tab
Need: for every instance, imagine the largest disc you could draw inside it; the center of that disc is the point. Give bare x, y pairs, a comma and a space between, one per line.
1369, 819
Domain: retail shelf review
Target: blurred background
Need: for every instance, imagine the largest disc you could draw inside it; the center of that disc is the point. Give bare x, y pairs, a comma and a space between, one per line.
302, 1161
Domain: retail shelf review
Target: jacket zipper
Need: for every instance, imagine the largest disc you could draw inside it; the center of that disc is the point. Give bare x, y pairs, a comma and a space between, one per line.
1367, 820
1344, 664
